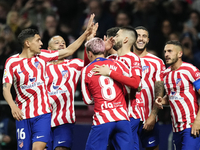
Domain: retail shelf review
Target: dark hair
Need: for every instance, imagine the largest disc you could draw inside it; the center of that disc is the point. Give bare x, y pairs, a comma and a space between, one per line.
176, 43
143, 28
130, 28
112, 31
25, 34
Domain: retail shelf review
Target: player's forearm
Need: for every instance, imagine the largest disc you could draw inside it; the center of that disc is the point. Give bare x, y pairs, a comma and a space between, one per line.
72, 47
165, 100
7, 95
159, 89
132, 82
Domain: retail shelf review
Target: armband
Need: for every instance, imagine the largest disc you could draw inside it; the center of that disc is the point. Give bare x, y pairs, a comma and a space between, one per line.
197, 84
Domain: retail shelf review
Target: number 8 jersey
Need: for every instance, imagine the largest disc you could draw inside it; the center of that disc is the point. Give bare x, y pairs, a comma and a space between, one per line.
107, 94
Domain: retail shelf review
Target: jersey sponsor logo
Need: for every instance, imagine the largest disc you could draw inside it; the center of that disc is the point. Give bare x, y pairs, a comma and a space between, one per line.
65, 74
37, 65
59, 142
106, 105
150, 142
39, 136
55, 87
178, 82
32, 79
145, 69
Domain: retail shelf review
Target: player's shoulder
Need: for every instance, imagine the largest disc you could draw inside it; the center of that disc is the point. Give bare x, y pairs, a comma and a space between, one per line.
132, 56
13, 58
153, 57
186, 65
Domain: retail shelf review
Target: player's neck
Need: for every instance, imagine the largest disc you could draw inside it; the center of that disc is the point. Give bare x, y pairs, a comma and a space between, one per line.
140, 53
176, 65
97, 56
123, 51
26, 53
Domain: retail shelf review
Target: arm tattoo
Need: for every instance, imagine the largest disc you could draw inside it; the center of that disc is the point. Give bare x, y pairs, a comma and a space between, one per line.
159, 89
5, 85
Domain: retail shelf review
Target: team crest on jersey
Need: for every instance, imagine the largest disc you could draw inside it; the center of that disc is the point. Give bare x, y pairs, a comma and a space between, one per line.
37, 65
65, 73
178, 82
145, 69
21, 143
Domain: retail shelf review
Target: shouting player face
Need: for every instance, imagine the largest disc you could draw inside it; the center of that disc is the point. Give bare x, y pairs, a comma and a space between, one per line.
172, 54
57, 43
142, 40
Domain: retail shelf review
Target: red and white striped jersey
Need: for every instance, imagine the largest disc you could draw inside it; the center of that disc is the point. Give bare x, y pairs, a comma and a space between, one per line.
28, 77
134, 64
61, 80
152, 70
107, 94
182, 95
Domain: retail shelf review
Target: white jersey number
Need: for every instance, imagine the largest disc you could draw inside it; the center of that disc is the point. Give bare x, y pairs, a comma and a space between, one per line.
107, 89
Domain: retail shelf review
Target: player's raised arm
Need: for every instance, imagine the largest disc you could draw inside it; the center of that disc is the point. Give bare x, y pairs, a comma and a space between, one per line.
76, 44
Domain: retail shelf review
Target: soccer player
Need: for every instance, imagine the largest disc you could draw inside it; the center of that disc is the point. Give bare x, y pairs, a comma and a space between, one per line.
27, 72
182, 85
108, 96
123, 42
62, 78
152, 87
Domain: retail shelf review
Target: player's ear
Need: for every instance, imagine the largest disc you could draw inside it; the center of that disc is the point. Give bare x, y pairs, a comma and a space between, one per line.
27, 43
180, 53
126, 40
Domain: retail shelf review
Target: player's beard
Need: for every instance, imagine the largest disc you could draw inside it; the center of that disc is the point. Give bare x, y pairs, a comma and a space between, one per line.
174, 60
140, 49
117, 45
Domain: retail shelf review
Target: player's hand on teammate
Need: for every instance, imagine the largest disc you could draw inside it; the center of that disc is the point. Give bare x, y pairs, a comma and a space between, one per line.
90, 25
108, 43
101, 70
17, 113
94, 31
158, 102
149, 123
195, 128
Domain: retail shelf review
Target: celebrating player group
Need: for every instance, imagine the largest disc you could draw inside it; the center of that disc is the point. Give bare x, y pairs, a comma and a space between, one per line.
125, 87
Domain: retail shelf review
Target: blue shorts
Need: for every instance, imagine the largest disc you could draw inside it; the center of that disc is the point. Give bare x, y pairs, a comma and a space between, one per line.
134, 127
33, 130
62, 136
183, 140
149, 138
118, 132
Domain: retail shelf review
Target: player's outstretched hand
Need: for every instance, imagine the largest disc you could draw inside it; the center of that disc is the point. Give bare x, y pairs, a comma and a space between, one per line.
17, 113
94, 31
101, 70
195, 128
158, 102
90, 25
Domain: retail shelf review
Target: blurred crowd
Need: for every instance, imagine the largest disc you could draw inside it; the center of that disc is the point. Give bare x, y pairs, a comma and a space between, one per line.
164, 19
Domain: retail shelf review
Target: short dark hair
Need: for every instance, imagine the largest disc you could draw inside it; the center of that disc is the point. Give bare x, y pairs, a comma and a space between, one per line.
130, 28
25, 34
174, 42
143, 28
112, 31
